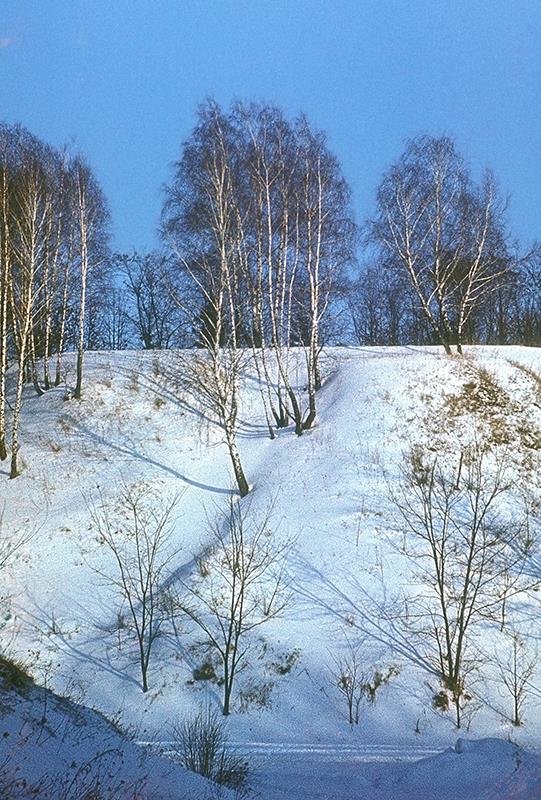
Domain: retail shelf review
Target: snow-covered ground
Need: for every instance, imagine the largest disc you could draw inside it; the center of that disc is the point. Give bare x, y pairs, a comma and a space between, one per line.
53, 749
330, 491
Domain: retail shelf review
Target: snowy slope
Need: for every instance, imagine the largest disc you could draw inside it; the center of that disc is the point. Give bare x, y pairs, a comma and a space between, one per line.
330, 490
53, 749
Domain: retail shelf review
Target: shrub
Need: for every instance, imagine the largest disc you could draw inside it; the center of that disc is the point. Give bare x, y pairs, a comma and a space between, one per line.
201, 745
205, 672
13, 675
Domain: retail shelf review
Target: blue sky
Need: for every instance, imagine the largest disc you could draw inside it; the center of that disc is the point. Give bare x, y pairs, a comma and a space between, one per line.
122, 78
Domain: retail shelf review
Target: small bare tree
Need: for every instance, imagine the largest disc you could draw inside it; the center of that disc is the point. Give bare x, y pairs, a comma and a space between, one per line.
464, 549
516, 669
356, 681
242, 587
138, 533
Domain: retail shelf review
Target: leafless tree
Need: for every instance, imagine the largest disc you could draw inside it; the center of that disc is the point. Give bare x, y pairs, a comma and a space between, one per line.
349, 678
212, 378
40, 215
298, 222
5, 275
241, 588
465, 549
356, 680
258, 214
151, 298
138, 533
29, 218
213, 265
379, 305
445, 232
90, 241
516, 668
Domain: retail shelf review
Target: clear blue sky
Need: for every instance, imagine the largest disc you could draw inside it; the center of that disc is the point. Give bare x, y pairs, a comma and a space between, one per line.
122, 78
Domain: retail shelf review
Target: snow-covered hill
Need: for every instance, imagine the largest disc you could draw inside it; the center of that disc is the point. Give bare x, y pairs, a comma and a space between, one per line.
330, 490
54, 749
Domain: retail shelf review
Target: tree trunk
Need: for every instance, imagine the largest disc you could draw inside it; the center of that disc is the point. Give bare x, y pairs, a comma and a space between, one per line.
14, 471
3, 370
457, 710
240, 477
83, 234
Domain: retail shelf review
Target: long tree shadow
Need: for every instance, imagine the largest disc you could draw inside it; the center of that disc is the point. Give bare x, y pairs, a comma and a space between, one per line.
166, 385
131, 452
378, 620
83, 652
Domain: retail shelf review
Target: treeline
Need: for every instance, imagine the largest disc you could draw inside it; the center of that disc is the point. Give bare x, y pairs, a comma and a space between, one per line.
435, 263
260, 255
441, 266
53, 253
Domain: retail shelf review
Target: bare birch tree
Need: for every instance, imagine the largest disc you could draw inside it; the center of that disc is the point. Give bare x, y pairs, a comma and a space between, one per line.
91, 240
5, 276
210, 248
445, 232
258, 214
30, 213
299, 222
40, 215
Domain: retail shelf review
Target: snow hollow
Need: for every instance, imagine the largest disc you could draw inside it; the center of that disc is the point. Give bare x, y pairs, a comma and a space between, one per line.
338, 693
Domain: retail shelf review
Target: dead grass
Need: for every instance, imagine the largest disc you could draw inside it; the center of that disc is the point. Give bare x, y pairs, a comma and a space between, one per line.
535, 378
483, 397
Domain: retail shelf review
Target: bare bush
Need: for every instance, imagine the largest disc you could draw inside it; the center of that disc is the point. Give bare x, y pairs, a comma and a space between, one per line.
356, 681
201, 744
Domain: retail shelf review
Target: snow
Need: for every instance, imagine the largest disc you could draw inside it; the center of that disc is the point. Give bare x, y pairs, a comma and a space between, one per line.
52, 748
331, 493
489, 769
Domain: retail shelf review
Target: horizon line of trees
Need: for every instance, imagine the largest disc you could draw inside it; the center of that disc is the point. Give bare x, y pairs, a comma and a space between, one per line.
435, 263
53, 253
261, 258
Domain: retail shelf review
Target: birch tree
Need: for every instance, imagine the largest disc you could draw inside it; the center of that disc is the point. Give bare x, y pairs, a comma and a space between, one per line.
205, 231
5, 276
52, 229
301, 231
91, 217
30, 212
445, 232
259, 216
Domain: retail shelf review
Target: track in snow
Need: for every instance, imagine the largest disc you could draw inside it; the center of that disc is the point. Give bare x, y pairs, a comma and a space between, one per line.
363, 754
